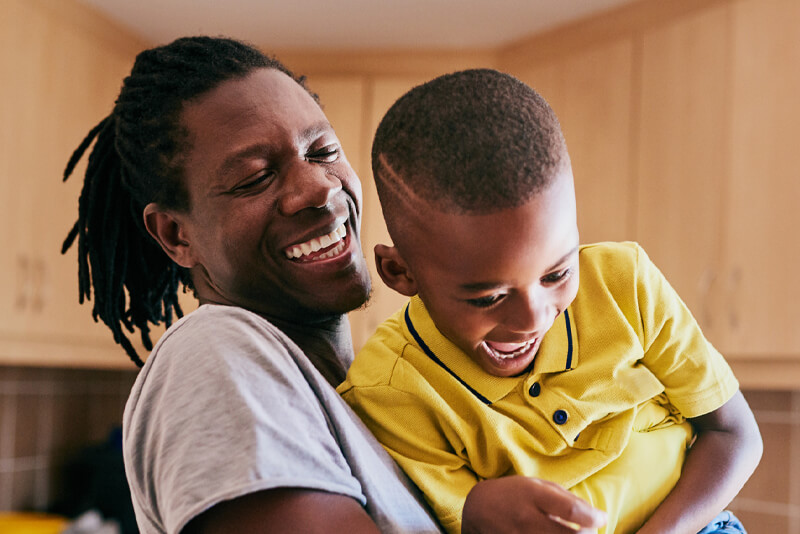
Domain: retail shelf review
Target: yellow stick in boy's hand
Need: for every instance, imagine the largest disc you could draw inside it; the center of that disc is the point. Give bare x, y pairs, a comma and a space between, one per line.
569, 524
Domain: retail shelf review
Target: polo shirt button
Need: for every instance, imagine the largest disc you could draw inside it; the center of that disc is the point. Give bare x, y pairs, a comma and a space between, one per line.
560, 417
535, 389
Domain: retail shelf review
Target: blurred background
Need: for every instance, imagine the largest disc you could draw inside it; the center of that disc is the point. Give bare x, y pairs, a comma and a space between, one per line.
681, 119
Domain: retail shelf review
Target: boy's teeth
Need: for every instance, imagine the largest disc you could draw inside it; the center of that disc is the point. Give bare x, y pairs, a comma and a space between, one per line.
508, 350
318, 243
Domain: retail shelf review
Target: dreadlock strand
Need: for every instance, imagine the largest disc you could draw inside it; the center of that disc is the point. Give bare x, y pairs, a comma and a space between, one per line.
78, 153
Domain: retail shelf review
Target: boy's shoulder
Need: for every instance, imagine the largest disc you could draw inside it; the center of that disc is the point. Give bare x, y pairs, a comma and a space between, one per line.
612, 260
612, 271
377, 359
615, 252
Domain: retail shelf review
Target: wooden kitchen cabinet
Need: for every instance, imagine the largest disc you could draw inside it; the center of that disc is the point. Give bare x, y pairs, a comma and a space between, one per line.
684, 158
761, 248
718, 181
58, 82
384, 91
342, 98
590, 91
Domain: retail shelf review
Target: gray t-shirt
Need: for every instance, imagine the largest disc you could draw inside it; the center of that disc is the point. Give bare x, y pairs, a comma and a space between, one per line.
227, 405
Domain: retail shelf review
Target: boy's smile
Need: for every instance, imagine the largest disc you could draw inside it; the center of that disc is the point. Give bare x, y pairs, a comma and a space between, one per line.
494, 284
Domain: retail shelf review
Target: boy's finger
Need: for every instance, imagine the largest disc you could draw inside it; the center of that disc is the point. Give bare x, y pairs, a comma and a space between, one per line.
569, 510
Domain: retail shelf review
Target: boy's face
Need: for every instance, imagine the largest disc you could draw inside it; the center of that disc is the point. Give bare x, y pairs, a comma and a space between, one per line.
494, 284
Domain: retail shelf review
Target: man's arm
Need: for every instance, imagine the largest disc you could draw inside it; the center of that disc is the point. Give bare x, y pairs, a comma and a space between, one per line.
285, 510
725, 453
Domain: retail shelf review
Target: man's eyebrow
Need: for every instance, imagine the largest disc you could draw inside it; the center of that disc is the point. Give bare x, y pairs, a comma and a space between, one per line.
230, 163
261, 149
484, 286
315, 130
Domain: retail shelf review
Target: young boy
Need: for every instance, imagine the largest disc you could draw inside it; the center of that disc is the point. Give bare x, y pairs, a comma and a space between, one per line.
502, 364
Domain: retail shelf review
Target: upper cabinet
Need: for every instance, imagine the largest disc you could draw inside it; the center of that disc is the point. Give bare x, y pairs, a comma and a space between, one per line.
52, 95
718, 179
683, 142
680, 118
591, 93
761, 251
681, 124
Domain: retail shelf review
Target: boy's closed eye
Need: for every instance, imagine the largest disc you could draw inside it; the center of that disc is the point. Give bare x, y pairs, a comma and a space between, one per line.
557, 276
487, 301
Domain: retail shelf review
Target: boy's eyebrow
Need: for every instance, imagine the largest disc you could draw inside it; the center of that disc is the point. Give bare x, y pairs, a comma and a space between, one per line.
483, 286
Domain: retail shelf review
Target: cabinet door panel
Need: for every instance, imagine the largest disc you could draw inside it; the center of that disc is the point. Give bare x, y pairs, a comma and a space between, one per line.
762, 250
683, 166
342, 99
590, 92
384, 301
9, 285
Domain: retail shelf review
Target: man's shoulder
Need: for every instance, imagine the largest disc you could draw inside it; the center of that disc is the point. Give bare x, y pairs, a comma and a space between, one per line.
213, 339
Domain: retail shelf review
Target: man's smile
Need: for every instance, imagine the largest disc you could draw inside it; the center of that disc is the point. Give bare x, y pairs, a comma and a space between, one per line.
319, 248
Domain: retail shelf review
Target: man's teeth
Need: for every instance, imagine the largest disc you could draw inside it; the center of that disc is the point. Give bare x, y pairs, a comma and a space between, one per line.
509, 355
318, 243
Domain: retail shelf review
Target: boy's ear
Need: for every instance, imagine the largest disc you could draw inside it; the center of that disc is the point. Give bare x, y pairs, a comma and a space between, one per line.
394, 271
170, 233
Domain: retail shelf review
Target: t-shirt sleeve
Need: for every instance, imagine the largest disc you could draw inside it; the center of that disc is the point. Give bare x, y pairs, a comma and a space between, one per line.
696, 377
224, 411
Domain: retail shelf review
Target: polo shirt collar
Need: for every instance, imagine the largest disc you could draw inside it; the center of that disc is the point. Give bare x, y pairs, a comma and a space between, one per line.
557, 352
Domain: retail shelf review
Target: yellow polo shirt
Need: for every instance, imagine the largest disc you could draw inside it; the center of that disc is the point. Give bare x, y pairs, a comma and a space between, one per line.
601, 412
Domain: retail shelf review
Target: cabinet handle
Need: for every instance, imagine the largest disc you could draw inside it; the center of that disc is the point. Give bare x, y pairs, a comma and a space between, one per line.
38, 271
704, 286
23, 284
733, 309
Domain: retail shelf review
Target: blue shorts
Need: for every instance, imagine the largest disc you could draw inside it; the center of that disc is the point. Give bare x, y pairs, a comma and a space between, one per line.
724, 523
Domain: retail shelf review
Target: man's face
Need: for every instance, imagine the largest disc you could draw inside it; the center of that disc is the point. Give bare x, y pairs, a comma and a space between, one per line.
275, 206
494, 284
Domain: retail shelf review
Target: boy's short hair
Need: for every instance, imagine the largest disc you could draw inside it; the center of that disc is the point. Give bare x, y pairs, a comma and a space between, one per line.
471, 142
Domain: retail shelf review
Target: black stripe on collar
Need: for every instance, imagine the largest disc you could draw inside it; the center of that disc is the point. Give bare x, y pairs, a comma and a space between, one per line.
441, 364
569, 341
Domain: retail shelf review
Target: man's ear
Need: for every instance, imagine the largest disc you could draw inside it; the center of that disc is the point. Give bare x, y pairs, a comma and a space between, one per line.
170, 233
394, 271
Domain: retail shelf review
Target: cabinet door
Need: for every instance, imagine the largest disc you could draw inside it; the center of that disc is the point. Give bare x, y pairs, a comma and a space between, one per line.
26, 149
683, 170
761, 248
10, 292
384, 301
342, 99
64, 81
590, 91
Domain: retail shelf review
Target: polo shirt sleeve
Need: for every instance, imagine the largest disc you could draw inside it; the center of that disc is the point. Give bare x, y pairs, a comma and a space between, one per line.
696, 377
416, 427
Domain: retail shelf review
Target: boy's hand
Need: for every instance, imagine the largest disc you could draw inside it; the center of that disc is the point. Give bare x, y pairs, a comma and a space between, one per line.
524, 504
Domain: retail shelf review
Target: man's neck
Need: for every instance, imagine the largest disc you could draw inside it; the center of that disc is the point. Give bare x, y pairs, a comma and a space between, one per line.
327, 344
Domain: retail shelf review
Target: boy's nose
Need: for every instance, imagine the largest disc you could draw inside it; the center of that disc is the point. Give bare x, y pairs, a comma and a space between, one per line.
307, 185
529, 315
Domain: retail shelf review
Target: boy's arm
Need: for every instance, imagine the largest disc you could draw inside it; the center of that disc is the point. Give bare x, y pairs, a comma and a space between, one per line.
725, 453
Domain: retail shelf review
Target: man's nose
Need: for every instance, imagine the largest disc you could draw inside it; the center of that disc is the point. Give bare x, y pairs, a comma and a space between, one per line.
307, 185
